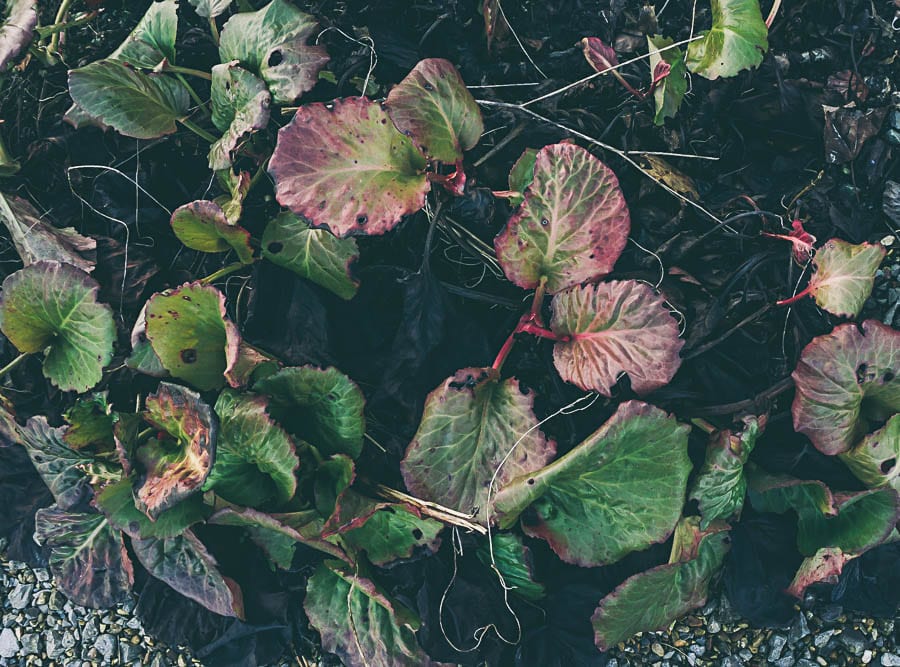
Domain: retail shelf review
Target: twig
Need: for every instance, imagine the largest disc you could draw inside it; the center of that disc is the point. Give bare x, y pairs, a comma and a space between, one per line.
12, 364
754, 404
428, 508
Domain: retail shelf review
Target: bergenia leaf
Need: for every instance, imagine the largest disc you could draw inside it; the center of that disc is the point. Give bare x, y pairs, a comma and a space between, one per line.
309, 525
847, 383
210, 8
139, 105
249, 361
17, 28
153, 39
61, 468
348, 167
256, 461
874, 459
191, 334
668, 93
433, 107
614, 328
202, 225
801, 241
237, 185
315, 254
321, 405
143, 358
240, 106
277, 540
599, 55
823, 567
572, 225
844, 276
174, 468
637, 459
36, 239
513, 559
87, 556
469, 425
185, 564
333, 478
90, 423
53, 307
652, 600
116, 501
521, 175
720, 486
736, 41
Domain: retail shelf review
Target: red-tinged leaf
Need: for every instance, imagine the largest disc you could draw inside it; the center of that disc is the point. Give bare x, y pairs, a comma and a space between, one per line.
847, 383
348, 168
277, 540
309, 525
600, 56
614, 328
844, 276
17, 28
874, 459
801, 240
202, 225
495, 26
571, 226
824, 567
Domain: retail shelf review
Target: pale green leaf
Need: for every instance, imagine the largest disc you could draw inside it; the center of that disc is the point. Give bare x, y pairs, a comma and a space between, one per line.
737, 40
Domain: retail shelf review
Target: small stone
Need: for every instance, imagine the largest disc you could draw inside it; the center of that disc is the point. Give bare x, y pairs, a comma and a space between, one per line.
20, 596
785, 661
776, 646
128, 653
160, 661
854, 640
714, 627
867, 657
53, 646
31, 643
9, 645
657, 649
90, 632
732, 661
106, 646
799, 629
822, 638
890, 660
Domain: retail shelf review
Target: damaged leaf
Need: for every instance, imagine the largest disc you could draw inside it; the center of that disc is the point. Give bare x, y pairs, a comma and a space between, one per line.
153, 39
202, 225
240, 106
874, 459
736, 41
823, 567
61, 468
117, 502
844, 276
90, 423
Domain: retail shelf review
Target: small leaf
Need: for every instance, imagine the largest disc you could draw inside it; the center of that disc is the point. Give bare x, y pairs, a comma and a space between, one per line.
143, 106
315, 254
847, 382
572, 225
599, 55
53, 306
669, 92
513, 560
143, 359
521, 175
87, 557
18, 26
277, 540
844, 276
637, 460
191, 334
469, 426
237, 185
202, 225
825, 566
801, 242
614, 328
255, 459
116, 501
652, 600
348, 167
433, 107
240, 106
321, 405
210, 8
737, 40
153, 39
874, 459
90, 423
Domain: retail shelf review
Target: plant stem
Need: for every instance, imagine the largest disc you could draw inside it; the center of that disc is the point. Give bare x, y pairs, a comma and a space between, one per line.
795, 298
190, 71
435, 511
60, 18
12, 364
221, 273
193, 93
50, 30
214, 29
199, 131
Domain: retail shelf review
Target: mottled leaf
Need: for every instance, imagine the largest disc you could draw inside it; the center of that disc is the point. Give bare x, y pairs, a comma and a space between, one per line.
513, 559
153, 39
276, 539
90, 423
53, 307
669, 92
844, 276
202, 225
874, 459
571, 226
210, 8
614, 328
240, 106
61, 468
626, 481
117, 502
737, 40
823, 567
17, 28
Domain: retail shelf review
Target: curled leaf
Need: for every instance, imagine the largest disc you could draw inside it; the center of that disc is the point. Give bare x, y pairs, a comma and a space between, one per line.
240, 106
825, 566
599, 55
801, 241
669, 92
116, 501
143, 359
210, 8
202, 225
874, 459
18, 26
736, 41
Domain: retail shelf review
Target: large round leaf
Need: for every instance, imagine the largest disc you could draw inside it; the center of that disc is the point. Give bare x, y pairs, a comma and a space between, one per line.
153, 38
434, 108
844, 276
469, 425
737, 40
619, 491
614, 328
847, 383
116, 501
53, 306
202, 225
572, 225
348, 167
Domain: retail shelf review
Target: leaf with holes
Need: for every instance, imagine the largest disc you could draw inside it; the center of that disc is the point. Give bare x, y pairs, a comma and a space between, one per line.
191, 334
277, 540
348, 167
637, 460
736, 41
210, 8
116, 501
153, 39
16, 29
825, 566
847, 384
513, 559
874, 459
315, 254
174, 465
53, 307
433, 107
471, 425
652, 600
844, 276
90, 423
668, 93
202, 225
240, 107
572, 225
615, 328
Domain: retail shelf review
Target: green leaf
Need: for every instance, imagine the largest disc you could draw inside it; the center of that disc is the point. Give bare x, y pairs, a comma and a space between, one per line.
276, 539
652, 600
874, 459
153, 39
616, 327
90, 423
191, 334
825, 566
521, 175
847, 384
737, 40
256, 460
237, 185
433, 107
320, 405
53, 306
174, 468
116, 501
348, 167
87, 556
315, 254
143, 359
720, 486
210, 8
469, 427
143, 106
637, 460
333, 477
309, 525
240, 106
513, 559
61, 468
670, 91
202, 225
572, 225
17, 28
844, 276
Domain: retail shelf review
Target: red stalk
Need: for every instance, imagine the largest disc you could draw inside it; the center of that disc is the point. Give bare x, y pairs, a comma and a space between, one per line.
794, 299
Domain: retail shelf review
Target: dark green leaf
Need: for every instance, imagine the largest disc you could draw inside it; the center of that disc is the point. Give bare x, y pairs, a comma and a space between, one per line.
61, 468
521, 175
153, 39
670, 91
117, 502
240, 106
90, 423
513, 559
276, 539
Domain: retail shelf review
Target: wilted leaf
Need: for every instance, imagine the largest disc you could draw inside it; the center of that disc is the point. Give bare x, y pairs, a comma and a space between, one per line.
52, 306
348, 167
801, 241
237, 185
652, 600
61, 468
844, 276
18, 25
847, 384
824, 566
521, 175
153, 39
276, 539
874, 459
847, 129
116, 501
240, 106
315, 254
202, 225
433, 107
676, 179
208, 8
572, 225
737, 40
469, 426
87, 557
615, 328
599, 55
513, 559
90, 423
669, 92
637, 460
495, 26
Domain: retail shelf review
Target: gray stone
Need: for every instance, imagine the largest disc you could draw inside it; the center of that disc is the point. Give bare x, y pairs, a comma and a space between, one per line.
732, 661
799, 629
854, 640
822, 638
867, 657
786, 661
106, 646
776, 646
90, 632
160, 661
9, 645
890, 660
31, 643
20, 596
53, 645
806, 663
713, 627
